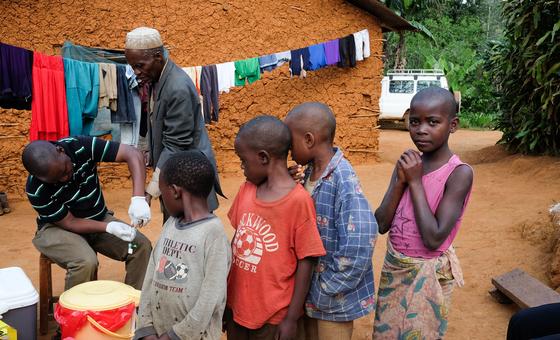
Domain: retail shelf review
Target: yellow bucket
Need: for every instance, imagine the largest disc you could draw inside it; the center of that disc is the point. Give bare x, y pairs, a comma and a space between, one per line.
81, 308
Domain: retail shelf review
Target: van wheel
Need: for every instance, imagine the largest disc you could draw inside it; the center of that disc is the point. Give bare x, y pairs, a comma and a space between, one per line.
406, 120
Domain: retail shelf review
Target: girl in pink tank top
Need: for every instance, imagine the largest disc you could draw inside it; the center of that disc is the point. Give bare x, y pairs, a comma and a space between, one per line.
422, 211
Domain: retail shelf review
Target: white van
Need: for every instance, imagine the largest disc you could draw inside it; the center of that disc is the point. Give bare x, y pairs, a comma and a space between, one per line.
399, 86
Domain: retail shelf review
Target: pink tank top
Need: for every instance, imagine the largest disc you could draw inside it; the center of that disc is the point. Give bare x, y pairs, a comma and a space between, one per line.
404, 233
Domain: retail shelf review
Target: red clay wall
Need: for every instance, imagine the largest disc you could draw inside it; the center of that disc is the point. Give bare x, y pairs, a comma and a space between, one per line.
202, 32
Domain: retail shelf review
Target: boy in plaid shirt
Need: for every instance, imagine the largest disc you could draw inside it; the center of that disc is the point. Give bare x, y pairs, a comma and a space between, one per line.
342, 288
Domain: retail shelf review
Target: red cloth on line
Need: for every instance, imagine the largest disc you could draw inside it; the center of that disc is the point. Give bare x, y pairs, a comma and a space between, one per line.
49, 113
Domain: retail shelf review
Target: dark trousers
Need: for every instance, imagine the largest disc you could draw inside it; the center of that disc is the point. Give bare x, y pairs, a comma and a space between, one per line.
267, 332
541, 322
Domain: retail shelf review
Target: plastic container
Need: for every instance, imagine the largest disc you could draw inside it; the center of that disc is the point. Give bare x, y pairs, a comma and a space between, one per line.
18, 302
98, 310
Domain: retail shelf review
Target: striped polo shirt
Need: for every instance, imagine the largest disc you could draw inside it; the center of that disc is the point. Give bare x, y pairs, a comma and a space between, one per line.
81, 195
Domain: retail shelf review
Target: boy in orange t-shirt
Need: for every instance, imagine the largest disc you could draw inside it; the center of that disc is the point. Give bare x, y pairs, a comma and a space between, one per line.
276, 239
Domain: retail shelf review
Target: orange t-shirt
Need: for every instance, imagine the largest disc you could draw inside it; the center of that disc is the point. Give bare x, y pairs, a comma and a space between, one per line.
270, 238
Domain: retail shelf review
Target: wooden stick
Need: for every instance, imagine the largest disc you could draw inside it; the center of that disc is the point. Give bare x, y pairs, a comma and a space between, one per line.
8, 124
299, 9
369, 109
7, 137
363, 150
363, 116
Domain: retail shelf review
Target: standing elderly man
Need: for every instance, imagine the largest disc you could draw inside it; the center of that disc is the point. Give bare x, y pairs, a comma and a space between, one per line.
73, 223
175, 122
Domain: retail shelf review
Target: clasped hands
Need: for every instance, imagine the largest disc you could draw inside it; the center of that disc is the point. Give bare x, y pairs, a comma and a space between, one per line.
409, 167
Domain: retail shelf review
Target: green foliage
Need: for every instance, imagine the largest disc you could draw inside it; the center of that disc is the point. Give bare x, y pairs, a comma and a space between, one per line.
459, 47
526, 67
469, 120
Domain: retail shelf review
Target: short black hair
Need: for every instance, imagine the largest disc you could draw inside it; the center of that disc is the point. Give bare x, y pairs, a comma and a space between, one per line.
266, 133
435, 93
190, 170
38, 157
315, 117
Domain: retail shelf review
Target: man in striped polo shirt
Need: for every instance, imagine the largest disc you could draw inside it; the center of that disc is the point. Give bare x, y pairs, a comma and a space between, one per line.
73, 223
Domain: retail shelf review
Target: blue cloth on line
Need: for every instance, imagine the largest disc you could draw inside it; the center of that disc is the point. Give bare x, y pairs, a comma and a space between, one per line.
125, 103
317, 56
268, 62
82, 95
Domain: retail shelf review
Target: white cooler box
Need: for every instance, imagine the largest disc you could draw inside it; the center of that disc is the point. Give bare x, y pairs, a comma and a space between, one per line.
18, 302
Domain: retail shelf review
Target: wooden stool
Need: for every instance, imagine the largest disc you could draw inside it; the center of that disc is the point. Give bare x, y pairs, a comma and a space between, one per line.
46, 298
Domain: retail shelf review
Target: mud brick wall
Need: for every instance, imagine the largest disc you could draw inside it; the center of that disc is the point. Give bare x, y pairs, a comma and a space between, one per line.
201, 32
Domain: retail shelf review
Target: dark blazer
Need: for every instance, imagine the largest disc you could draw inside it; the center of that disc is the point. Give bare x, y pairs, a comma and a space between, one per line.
176, 123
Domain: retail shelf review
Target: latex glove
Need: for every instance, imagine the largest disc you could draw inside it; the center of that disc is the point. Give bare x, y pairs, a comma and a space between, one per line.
139, 211
121, 230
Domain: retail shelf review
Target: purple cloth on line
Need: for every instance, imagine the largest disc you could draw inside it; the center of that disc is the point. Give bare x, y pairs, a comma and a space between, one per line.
332, 52
15, 71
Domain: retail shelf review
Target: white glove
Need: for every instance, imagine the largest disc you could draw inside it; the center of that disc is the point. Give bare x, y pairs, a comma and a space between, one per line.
121, 230
139, 211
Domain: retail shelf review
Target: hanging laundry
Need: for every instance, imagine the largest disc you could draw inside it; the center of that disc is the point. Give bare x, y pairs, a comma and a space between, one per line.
130, 132
283, 57
268, 62
82, 95
317, 57
125, 104
226, 76
361, 40
209, 89
108, 86
16, 65
367, 51
332, 52
247, 70
102, 123
347, 48
49, 113
145, 102
194, 72
299, 60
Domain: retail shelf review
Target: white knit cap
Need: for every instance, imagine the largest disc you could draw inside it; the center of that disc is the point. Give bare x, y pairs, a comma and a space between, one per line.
143, 38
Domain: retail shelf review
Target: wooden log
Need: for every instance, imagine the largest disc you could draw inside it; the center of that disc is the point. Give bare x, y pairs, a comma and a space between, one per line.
525, 290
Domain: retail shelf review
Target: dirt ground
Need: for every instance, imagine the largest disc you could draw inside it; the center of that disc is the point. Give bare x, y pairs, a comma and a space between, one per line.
511, 194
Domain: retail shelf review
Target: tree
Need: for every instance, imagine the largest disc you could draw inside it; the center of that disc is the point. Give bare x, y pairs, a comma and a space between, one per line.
526, 67
408, 9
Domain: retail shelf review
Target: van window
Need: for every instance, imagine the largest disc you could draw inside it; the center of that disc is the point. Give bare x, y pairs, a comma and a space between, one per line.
422, 84
401, 86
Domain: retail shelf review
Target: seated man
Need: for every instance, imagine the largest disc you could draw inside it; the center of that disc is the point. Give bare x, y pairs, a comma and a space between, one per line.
73, 223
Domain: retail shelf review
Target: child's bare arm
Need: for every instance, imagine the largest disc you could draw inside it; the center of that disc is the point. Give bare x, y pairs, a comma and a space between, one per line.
287, 329
434, 229
386, 211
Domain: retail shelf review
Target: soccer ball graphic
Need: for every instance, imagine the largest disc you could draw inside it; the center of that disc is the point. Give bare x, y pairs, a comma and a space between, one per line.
245, 242
182, 271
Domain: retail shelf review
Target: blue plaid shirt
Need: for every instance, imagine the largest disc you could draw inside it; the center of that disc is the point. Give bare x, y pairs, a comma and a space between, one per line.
342, 286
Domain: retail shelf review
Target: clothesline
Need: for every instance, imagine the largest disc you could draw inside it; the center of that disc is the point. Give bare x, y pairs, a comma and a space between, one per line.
85, 91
